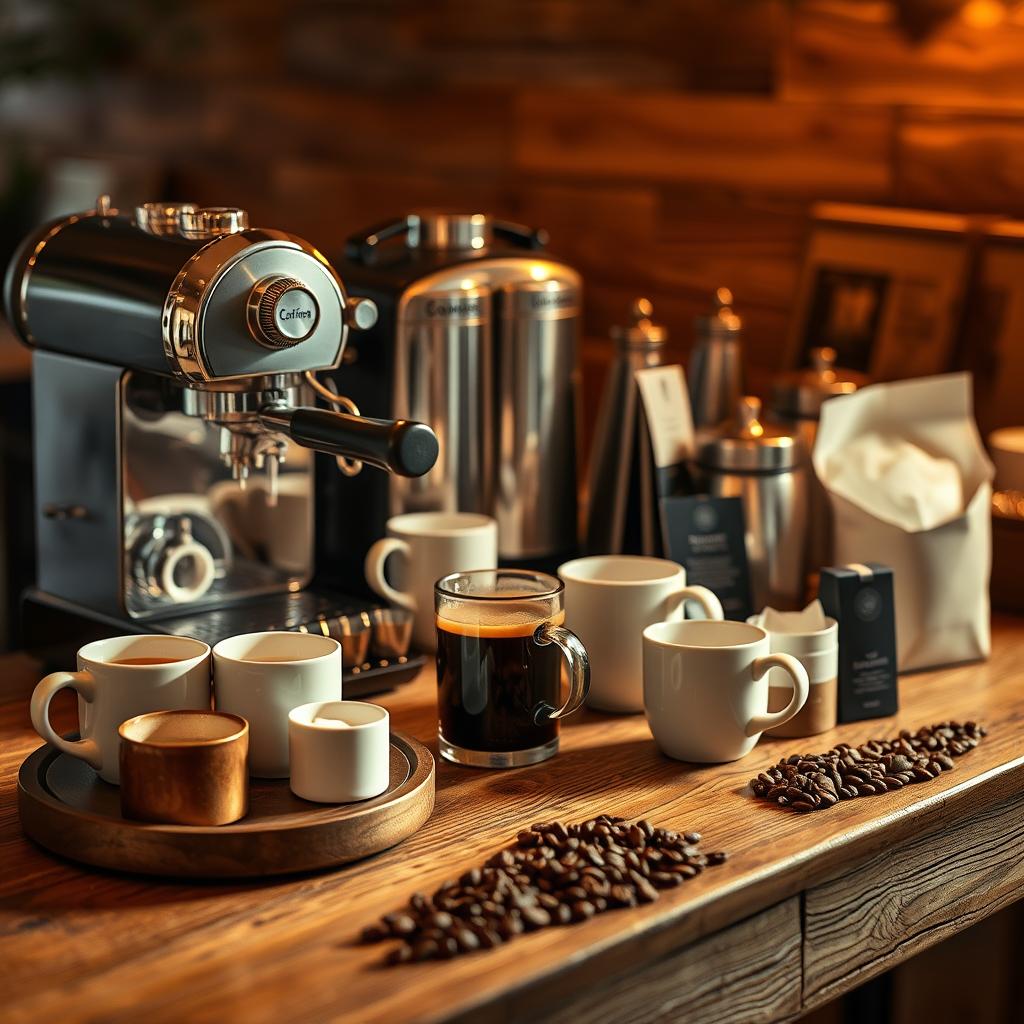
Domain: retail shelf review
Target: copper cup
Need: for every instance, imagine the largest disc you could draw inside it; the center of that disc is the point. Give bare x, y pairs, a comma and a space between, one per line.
185, 767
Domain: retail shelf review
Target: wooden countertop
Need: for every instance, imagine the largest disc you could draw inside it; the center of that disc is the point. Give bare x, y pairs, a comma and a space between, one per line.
812, 904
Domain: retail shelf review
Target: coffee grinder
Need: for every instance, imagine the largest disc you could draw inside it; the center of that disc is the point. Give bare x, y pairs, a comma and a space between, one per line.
174, 387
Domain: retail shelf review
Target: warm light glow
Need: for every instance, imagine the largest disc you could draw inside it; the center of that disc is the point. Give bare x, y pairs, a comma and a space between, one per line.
983, 13
755, 429
539, 272
467, 284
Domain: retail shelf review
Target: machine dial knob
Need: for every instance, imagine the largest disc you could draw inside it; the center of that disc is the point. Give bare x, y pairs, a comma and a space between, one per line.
282, 312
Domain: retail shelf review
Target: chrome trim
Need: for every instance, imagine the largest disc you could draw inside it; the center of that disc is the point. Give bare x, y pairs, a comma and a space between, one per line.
46, 234
184, 305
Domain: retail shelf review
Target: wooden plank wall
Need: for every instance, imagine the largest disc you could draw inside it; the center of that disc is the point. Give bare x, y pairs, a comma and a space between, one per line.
668, 145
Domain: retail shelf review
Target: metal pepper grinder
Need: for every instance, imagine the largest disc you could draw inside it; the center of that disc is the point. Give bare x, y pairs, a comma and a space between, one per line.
622, 500
766, 467
715, 372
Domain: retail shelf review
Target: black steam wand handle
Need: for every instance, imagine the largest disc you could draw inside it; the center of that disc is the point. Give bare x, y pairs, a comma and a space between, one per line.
403, 447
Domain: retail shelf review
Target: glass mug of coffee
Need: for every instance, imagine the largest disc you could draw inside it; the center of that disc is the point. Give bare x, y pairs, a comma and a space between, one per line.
500, 646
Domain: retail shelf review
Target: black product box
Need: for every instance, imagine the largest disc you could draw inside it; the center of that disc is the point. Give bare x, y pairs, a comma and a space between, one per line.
707, 536
860, 599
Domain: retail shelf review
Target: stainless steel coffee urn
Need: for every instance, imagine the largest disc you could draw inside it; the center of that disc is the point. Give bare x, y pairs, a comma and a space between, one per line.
768, 469
477, 336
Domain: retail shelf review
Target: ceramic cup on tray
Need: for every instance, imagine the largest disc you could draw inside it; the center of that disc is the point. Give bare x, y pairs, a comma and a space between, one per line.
263, 676
119, 678
339, 751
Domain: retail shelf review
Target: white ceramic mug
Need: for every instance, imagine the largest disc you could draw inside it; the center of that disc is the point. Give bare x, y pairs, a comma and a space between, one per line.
706, 688
262, 677
610, 600
168, 673
340, 751
428, 545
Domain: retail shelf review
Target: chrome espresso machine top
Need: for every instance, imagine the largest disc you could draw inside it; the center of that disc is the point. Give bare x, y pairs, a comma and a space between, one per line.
175, 425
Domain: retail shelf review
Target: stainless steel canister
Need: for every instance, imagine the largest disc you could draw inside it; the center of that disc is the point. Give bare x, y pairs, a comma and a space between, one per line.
797, 398
769, 471
443, 376
537, 387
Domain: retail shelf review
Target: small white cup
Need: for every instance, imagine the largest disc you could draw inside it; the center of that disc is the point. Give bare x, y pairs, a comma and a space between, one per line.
609, 601
262, 676
339, 751
428, 545
706, 688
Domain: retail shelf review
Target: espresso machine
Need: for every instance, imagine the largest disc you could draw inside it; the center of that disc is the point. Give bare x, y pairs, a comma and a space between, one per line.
477, 337
175, 363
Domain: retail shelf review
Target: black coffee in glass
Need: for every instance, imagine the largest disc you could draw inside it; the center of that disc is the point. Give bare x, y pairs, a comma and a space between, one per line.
500, 645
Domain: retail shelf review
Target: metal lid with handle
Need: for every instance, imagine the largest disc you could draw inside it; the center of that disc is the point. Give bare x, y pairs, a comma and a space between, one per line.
800, 394
722, 322
444, 232
751, 447
643, 332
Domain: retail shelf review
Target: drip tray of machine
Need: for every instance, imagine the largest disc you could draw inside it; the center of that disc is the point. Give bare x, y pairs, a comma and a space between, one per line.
53, 629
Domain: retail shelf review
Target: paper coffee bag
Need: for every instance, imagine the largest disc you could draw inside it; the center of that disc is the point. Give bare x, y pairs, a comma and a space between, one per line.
910, 487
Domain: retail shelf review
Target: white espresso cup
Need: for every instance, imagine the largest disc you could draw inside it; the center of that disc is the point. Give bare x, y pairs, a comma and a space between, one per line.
428, 546
340, 751
262, 677
117, 679
706, 688
610, 600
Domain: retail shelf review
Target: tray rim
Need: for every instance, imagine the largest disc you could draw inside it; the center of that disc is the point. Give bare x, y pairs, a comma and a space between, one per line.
35, 798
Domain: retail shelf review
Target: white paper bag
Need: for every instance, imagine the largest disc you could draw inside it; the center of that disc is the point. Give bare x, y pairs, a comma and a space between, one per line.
940, 573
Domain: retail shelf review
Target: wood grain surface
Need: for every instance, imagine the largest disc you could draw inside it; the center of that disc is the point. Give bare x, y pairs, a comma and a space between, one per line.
888, 909
79, 944
754, 976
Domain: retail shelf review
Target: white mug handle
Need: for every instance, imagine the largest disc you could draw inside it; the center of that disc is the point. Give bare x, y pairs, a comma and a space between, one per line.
376, 558
707, 599
801, 691
85, 686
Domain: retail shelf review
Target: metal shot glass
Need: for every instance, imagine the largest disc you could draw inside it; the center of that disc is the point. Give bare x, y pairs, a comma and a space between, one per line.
185, 767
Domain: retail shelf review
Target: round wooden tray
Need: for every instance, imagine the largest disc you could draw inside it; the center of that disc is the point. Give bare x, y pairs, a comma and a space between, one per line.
66, 807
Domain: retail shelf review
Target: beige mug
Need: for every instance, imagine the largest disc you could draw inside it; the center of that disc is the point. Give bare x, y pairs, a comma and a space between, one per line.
706, 688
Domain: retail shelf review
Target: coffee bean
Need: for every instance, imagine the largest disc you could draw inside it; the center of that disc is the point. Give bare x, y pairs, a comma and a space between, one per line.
424, 950
401, 954
555, 874
807, 782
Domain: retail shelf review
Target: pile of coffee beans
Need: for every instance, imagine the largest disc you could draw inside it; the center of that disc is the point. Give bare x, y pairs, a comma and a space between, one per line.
812, 782
553, 874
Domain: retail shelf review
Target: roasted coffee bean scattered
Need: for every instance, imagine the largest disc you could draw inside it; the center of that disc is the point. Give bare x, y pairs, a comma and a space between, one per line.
553, 874
812, 782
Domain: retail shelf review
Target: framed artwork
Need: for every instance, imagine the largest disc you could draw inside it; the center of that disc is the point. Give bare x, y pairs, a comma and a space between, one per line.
884, 288
992, 342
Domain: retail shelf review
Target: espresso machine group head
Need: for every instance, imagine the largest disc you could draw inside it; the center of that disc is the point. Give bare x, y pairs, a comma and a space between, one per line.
174, 390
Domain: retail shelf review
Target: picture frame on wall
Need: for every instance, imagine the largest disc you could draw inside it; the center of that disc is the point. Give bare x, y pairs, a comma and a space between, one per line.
883, 287
992, 343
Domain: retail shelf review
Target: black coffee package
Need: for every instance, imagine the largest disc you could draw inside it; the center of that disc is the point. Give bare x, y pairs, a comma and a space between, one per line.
860, 598
707, 536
